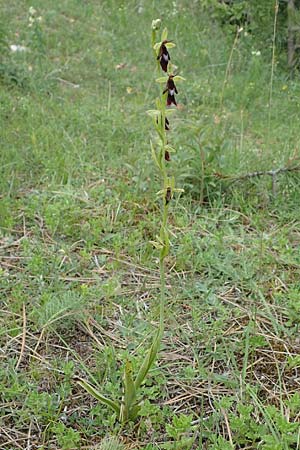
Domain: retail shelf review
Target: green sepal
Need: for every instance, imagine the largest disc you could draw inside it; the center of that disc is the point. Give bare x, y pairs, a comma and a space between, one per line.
169, 182
170, 45
161, 80
156, 244
157, 46
164, 35
170, 149
178, 78
178, 190
153, 112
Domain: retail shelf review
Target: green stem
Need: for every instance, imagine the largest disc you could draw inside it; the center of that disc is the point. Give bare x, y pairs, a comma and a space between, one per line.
164, 232
154, 349
162, 297
153, 40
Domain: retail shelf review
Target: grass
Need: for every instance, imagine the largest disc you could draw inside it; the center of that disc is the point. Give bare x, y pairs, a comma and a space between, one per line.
79, 278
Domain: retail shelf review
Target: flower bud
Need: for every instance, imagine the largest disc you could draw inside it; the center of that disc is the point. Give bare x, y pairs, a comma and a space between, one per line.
156, 24
32, 11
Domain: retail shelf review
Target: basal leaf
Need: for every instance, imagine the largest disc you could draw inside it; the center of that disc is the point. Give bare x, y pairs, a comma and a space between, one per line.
95, 393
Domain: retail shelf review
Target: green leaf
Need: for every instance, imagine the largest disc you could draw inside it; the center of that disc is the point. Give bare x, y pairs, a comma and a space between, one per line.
134, 410
129, 397
149, 360
164, 34
95, 393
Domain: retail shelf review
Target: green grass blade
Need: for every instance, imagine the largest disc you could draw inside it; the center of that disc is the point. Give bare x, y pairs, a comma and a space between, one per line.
268, 420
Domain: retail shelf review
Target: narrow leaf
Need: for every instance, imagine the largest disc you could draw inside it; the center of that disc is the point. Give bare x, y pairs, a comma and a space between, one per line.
134, 411
149, 360
130, 392
129, 397
95, 393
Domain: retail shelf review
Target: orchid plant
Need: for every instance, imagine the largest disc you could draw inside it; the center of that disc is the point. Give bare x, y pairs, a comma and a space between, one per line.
128, 408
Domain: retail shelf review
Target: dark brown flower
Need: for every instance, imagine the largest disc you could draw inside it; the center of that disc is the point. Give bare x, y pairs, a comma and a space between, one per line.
168, 195
172, 90
164, 56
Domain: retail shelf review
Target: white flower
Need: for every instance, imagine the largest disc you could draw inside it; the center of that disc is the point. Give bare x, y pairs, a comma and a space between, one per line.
32, 11
17, 48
